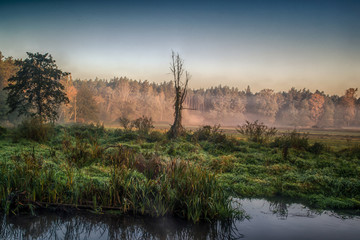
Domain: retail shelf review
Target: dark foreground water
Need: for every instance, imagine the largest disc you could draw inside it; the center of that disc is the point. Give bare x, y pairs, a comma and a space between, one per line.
268, 220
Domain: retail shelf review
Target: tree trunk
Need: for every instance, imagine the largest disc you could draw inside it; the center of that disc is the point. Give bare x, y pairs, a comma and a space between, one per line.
176, 67
177, 128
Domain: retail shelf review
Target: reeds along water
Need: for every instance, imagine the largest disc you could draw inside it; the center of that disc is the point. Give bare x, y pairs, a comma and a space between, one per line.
135, 184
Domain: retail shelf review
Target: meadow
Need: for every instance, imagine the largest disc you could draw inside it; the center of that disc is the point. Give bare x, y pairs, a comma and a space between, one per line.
195, 177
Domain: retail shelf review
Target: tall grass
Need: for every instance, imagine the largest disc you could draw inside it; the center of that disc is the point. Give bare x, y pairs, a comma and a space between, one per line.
171, 188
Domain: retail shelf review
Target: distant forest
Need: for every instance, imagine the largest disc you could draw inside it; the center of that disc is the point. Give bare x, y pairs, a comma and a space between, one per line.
108, 100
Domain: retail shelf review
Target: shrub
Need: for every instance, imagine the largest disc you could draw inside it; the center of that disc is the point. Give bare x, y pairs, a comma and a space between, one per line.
121, 156
256, 132
317, 148
208, 133
125, 123
156, 136
35, 129
86, 131
353, 151
82, 153
143, 124
202, 133
150, 165
2, 131
129, 136
293, 139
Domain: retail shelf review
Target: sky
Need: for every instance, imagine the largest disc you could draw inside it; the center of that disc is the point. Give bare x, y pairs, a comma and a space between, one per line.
310, 44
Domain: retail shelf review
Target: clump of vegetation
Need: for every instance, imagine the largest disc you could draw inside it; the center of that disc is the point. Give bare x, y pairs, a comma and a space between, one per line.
86, 131
317, 148
125, 123
208, 133
34, 129
292, 139
81, 153
214, 140
156, 136
143, 124
2, 131
256, 131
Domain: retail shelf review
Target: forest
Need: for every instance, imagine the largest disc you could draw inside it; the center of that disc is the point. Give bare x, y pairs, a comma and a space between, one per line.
108, 100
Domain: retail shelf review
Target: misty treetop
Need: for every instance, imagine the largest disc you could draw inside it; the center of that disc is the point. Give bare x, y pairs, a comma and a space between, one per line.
123, 97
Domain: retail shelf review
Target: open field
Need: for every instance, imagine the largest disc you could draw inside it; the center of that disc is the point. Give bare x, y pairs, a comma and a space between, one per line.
336, 138
133, 171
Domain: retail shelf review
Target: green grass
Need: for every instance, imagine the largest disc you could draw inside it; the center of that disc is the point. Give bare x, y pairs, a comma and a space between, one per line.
192, 177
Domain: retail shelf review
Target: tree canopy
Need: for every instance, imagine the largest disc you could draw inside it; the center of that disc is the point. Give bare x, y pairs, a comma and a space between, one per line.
35, 90
7, 69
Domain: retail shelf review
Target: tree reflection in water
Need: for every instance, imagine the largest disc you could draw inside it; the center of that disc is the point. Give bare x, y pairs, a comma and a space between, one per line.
279, 208
83, 225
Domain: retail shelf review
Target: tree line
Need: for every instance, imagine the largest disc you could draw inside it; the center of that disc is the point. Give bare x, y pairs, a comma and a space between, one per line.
120, 97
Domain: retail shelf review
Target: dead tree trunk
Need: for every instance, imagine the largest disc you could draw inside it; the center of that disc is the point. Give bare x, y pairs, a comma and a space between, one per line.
176, 67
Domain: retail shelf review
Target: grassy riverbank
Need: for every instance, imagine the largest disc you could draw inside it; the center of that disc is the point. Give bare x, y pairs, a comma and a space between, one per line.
146, 173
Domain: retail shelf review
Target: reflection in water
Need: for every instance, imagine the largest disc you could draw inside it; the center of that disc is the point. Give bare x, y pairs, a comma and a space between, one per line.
279, 208
84, 225
268, 220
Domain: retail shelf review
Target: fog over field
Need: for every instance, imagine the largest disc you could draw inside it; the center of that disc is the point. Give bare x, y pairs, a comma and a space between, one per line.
122, 97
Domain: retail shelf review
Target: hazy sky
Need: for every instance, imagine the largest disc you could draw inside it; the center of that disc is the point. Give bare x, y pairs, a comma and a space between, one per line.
265, 44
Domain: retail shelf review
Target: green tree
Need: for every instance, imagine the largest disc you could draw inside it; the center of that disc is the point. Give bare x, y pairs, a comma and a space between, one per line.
35, 90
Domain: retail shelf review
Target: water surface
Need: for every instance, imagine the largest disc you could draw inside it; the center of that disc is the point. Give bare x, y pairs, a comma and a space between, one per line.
268, 220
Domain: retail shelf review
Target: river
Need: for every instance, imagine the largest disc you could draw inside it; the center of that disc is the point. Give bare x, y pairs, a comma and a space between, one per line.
266, 220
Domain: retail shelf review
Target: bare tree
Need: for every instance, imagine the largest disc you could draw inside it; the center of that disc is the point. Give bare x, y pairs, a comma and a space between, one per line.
180, 84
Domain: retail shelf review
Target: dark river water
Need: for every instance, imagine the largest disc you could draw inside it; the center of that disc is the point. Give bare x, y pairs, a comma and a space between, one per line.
266, 220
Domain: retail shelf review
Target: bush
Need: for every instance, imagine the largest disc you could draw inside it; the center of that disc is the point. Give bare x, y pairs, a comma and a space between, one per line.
317, 148
82, 153
2, 131
202, 133
125, 123
156, 136
121, 156
256, 132
143, 124
294, 140
353, 152
208, 133
86, 131
35, 129
149, 164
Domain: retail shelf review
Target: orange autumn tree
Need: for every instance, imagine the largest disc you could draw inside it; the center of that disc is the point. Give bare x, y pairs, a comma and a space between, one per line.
316, 103
67, 112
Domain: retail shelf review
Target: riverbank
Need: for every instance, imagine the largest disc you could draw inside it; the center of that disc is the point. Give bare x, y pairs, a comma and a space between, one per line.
146, 173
